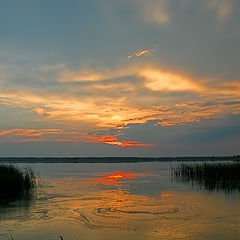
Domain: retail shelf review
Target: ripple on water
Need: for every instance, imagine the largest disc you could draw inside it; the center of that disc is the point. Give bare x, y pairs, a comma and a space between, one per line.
109, 212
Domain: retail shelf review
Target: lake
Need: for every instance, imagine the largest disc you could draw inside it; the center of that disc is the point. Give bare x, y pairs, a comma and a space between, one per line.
104, 201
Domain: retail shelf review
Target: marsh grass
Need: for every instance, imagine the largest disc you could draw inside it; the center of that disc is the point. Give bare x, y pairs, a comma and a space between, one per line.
7, 236
10, 237
210, 176
16, 183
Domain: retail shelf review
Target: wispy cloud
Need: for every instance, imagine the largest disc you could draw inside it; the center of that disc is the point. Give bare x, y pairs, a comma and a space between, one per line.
28, 132
161, 12
222, 8
112, 140
117, 97
88, 74
28, 135
154, 11
160, 80
144, 52
59, 135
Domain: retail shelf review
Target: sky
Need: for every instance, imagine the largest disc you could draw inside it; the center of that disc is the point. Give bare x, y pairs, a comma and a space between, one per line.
148, 78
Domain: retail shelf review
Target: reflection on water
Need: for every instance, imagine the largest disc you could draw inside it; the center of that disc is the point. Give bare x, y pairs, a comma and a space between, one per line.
131, 201
117, 179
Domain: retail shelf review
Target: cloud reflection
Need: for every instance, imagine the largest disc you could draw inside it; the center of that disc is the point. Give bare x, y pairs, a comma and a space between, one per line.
118, 178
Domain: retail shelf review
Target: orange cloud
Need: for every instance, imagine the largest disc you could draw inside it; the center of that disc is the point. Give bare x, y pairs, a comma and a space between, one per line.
29, 132
231, 88
36, 135
142, 53
91, 75
112, 140
58, 135
141, 94
158, 80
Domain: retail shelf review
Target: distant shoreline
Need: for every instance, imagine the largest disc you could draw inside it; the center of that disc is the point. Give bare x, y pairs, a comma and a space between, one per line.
114, 159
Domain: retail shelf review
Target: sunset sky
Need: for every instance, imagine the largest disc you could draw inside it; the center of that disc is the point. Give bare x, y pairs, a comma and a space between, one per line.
119, 77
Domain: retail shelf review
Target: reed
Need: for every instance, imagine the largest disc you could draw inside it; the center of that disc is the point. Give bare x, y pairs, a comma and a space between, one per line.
16, 183
210, 176
10, 237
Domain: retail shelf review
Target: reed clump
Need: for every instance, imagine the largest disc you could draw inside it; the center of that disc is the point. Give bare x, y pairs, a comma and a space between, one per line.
16, 183
210, 176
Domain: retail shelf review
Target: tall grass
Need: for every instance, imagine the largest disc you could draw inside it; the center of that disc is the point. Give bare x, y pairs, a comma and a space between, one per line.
210, 176
9, 236
16, 183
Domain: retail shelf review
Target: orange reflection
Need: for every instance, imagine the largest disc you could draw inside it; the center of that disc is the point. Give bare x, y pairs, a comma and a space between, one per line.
166, 195
117, 178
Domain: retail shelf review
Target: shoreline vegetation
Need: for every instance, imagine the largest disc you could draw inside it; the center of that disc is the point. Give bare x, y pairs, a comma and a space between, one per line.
16, 183
9, 236
115, 159
218, 176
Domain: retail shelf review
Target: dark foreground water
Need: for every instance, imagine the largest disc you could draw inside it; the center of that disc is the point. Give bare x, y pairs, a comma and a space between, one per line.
132, 201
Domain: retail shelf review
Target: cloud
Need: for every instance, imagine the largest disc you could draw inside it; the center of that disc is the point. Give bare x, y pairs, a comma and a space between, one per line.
231, 88
156, 78
112, 140
195, 112
144, 52
28, 132
222, 8
162, 12
88, 75
93, 99
154, 11
149, 11
59, 135
28, 135
159, 80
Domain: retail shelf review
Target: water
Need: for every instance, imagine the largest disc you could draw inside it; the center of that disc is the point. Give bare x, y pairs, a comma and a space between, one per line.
136, 201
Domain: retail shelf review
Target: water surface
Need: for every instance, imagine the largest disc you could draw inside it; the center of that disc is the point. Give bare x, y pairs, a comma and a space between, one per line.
134, 201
